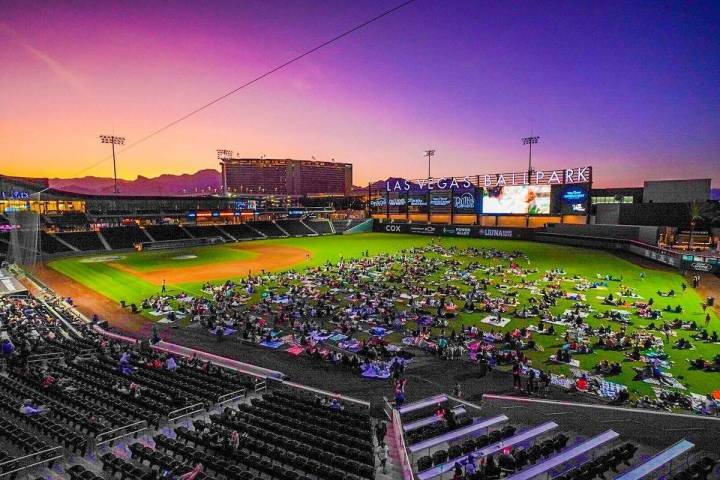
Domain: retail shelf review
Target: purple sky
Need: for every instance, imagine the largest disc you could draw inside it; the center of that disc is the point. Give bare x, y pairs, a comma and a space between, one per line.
631, 88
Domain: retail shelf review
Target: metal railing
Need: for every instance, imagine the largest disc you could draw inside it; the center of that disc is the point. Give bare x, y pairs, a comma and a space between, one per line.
229, 397
323, 393
44, 357
31, 460
127, 430
185, 411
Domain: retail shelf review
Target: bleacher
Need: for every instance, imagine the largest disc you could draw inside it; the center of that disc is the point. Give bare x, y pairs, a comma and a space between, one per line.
205, 231
87, 408
295, 228
296, 434
240, 231
124, 237
267, 228
521, 452
166, 232
49, 244
344, 225
78, 397
320, 225
85, 241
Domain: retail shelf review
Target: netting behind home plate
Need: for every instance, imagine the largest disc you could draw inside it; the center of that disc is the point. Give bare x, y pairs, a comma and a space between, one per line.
24, 238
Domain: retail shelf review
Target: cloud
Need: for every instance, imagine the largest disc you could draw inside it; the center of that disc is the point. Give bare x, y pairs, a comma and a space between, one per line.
60, 72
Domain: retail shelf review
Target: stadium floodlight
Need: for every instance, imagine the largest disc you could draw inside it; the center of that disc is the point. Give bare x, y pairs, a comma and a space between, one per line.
429, 154
224, 154
529, 141
113, 140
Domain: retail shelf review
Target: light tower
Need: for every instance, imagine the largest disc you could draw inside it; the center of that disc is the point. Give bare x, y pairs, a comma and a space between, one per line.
113, 140
529, 141
429, 154
222, 155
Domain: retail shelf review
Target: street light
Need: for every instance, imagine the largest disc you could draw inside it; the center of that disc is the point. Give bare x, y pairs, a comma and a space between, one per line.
223, 154
529, 141
113, 140
429, 154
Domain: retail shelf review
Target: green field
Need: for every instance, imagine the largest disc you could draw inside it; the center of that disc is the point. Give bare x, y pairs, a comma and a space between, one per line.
119, 285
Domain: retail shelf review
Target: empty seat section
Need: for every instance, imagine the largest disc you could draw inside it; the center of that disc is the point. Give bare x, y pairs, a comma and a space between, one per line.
240, 231
82, 240
294, 227
269, 229
50, 244
205, 231
166, 232
321, 226
124, 237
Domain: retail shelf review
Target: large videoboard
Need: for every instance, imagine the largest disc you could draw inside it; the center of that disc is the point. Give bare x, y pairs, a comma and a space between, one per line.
517, 199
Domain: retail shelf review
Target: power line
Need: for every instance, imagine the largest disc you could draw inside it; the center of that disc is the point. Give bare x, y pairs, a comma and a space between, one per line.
248, 83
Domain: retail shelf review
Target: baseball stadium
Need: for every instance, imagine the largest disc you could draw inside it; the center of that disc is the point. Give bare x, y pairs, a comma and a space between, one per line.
174, 311
467, 295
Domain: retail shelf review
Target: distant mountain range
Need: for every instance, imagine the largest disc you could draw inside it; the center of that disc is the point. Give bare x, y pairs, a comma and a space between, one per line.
201, 182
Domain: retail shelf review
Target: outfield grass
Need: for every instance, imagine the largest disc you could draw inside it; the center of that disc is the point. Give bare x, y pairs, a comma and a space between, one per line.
119, 285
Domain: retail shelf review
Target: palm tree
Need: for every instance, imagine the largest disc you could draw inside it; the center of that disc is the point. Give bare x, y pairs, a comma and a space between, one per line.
696, 214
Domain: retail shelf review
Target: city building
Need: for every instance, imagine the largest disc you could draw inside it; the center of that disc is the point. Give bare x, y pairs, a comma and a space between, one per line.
271, 176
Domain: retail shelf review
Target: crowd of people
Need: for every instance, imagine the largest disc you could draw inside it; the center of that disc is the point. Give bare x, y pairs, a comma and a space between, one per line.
422, 296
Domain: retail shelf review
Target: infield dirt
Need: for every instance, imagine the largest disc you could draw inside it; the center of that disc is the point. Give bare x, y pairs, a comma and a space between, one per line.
266, 257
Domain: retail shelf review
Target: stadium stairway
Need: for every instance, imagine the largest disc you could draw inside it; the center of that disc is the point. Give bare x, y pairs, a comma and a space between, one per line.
147, 234
315, 232
67, 244
259, 233
393, 470
280, 228
103, 241
224, 232
190, 235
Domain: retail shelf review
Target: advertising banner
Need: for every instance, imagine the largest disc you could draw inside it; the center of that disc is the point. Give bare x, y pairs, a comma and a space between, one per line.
574, 199
454, 230
468, 202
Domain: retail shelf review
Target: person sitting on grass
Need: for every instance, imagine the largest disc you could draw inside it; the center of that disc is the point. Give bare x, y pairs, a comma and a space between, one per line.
705, 365
622, 397
682, 344
563, 356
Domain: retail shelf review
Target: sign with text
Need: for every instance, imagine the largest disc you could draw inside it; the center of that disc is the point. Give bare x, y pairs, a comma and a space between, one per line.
454, 230
564, 176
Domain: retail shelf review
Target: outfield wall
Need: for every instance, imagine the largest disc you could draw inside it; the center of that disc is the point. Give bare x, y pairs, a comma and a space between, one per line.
470, 231
651, 252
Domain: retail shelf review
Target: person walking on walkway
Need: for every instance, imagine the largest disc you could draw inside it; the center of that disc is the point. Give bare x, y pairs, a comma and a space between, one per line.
382, 454
380, 431
516, 376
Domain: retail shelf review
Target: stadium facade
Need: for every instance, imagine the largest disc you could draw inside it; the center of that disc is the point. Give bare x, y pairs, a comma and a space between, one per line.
19, 194
514, 199
285, 176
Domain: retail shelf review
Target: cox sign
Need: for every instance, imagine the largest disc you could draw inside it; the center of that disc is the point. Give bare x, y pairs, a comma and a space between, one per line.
392, 228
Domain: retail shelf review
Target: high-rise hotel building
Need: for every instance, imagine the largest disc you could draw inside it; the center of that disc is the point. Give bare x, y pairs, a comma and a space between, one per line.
272, 176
